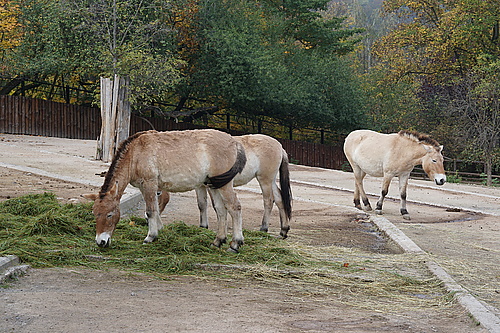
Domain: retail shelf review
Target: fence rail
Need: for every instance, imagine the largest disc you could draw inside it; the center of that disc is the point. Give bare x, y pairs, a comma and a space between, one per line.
22, 115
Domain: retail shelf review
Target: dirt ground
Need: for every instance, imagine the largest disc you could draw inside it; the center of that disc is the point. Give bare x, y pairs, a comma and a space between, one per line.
80, 300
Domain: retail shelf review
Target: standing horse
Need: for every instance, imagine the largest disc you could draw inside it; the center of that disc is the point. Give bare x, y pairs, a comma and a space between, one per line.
175, 161
388, 156
265, 159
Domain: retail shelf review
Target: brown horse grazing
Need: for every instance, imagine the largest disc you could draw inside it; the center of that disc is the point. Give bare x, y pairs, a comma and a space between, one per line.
265, 159
175, 161
388, 156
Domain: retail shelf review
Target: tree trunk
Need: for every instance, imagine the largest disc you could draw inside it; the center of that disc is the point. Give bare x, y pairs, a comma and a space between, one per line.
488, 169
115, 115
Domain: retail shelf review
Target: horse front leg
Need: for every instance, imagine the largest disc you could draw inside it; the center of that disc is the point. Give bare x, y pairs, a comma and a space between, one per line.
201, 198
403, 185
149, 192
385, 189
163, 199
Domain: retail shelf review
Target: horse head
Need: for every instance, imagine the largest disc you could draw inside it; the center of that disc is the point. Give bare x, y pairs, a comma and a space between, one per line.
107, 214
432, 163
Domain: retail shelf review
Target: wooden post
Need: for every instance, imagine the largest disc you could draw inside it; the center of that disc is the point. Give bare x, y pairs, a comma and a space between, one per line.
115, 115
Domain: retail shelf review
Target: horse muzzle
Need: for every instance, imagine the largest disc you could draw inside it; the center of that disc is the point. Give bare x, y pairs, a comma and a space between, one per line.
103, 239
440, 179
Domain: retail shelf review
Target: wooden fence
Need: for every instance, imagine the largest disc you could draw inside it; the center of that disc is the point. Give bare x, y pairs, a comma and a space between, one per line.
22, 115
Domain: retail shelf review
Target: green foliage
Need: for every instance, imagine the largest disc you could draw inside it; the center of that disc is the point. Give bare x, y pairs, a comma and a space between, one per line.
272, 59
453, 178
265, 72
484, 180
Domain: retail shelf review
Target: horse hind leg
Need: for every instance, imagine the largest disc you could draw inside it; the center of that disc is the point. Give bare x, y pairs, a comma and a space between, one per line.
229, 200
268, 200
359, 190
284, 216
221, 212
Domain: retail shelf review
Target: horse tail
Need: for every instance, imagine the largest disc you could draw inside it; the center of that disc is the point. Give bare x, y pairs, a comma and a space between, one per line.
285, 189
222, 179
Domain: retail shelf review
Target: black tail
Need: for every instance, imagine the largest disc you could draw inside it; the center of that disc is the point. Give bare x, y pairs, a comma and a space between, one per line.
286, 191
221, 180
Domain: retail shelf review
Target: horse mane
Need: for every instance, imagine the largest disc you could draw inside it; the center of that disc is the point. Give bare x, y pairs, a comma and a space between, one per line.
419, 137
120, 153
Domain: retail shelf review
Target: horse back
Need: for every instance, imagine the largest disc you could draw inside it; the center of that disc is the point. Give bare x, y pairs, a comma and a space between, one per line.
370, 151
183, 160
264, 155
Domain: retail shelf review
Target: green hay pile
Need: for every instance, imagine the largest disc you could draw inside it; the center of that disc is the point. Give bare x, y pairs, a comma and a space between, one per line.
44, 233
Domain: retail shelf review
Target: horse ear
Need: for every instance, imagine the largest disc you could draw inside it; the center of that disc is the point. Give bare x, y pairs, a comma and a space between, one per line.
427, 148
114, 189
91, 196
441, 148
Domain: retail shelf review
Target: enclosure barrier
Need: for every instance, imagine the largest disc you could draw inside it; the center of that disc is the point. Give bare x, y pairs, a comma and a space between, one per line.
28, 116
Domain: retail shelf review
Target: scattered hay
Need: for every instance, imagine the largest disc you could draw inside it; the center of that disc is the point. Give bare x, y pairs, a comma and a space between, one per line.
44, 233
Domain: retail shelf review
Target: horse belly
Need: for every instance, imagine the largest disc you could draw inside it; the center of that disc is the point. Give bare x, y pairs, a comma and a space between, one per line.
249, 171
373, 168
182, 181
371, 164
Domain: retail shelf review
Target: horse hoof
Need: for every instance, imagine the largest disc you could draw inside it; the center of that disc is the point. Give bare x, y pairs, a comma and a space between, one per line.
378, 212
218, 242
407, 217
263, 229
148, 240
368, 208
231, 250
284, 232
234, 246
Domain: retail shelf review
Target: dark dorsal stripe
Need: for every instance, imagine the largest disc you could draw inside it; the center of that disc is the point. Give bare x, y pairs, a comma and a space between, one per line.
419, 137
120, 153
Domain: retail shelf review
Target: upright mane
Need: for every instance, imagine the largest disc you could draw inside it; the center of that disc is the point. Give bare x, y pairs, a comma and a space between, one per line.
419, 137
120, 153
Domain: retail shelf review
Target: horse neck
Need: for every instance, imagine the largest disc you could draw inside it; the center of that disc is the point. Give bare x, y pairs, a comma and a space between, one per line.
419, 153
122, 176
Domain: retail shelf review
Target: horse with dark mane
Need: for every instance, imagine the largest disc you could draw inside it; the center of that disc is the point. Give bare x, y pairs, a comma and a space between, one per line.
388, 156
174, 161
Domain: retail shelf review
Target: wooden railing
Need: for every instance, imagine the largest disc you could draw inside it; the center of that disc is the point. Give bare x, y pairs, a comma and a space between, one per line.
22, 115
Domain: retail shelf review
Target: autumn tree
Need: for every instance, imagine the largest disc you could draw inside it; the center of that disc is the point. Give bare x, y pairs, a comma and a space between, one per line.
9, 27
436, 48
475, 103
439, 38
77, 41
